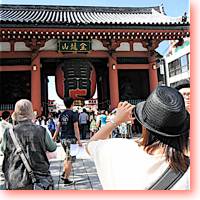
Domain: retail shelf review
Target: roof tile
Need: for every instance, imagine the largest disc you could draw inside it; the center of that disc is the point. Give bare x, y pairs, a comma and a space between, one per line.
86, 15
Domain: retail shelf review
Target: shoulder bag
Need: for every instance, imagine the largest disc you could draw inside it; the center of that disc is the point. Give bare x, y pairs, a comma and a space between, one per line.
42, 183
168, 179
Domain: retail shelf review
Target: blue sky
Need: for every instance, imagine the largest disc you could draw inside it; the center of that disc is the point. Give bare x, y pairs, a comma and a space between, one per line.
172, 8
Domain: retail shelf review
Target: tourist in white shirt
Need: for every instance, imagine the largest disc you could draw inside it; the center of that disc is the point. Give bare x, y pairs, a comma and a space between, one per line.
124, 164
4, 124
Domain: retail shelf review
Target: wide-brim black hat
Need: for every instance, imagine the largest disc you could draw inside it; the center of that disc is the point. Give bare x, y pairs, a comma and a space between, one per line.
164, 113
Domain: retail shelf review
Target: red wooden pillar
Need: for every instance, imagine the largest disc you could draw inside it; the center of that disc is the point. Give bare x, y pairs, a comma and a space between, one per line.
113, 82
153, 77
36, 85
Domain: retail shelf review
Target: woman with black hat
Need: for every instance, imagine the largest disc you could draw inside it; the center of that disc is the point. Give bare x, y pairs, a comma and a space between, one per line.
124, 164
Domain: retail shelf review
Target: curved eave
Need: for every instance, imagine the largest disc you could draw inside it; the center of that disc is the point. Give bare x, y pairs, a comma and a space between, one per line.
35, 24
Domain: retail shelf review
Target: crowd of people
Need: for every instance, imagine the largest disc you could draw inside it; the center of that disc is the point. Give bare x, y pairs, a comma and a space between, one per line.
89, 122
161, 124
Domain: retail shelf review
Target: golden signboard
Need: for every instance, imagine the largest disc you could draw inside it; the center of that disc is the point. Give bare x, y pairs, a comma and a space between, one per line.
74, 45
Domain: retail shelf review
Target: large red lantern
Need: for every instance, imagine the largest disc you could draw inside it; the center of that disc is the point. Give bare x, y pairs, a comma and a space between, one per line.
76, 78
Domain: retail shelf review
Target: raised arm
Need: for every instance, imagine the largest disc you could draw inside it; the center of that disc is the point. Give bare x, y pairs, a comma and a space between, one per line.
123, 114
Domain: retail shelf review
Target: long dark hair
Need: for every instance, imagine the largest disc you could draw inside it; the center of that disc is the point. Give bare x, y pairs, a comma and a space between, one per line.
174, 149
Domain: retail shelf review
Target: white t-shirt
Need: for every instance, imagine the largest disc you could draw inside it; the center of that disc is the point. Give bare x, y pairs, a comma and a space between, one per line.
123, 128
122, 165
3, 126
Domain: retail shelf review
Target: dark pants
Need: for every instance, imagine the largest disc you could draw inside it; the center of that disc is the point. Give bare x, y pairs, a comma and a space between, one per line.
84, 130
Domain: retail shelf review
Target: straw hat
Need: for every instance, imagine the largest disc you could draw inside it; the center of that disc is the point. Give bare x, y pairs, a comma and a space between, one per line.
164, 113
23, 111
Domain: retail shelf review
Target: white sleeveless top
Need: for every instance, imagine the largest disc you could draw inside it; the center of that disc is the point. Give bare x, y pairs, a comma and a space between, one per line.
122, 165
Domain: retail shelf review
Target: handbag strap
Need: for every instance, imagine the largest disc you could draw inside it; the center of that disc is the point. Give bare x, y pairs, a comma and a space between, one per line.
22, 155
169, 178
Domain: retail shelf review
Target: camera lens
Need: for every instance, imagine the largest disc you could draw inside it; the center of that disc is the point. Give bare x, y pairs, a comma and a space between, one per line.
133, 112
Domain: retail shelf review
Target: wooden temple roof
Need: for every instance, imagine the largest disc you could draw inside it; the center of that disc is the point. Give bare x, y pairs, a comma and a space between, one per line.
38, 15
87, 22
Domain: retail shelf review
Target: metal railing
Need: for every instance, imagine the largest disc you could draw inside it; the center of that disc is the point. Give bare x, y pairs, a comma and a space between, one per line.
7, 106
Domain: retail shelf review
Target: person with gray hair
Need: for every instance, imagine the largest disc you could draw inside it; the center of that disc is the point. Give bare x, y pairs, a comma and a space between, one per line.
35, 142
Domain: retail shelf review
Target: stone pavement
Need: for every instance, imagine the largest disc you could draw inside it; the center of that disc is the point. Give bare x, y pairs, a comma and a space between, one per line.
83, 171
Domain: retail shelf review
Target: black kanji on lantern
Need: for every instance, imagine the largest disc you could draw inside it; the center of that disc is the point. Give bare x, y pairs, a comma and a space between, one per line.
76, 78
